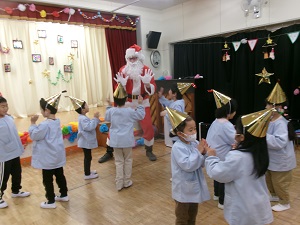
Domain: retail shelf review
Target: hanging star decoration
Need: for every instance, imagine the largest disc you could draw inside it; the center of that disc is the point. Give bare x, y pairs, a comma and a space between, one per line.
265, 76
71, 57
269, 40
46, 73
36, 42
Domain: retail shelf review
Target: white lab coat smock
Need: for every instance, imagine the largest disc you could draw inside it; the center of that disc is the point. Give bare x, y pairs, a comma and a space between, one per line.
10, 143
188, 181
220, 136
87, 132
281, 149
246, 196
48, 150
122, 125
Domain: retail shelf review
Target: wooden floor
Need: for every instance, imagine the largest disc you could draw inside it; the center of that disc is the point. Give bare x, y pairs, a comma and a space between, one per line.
96, 201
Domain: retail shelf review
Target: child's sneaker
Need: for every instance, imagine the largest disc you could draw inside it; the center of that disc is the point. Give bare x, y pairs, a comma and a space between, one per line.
129, 184
220, 206
46, 205
94, 172
20, 194
91, 176
216, 198
3, 204
62, 199
280, 207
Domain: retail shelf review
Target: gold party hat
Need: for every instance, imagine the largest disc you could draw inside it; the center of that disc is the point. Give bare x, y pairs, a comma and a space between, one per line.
54, 100
220, 98
120, 92
77, 103
257, 123
176, 117
277, 95
183, 87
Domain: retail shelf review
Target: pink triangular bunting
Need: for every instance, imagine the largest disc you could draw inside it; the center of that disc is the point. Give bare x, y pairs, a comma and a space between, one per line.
252, 43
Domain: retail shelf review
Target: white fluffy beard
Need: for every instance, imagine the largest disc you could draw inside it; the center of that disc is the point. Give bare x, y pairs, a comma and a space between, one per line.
133, 70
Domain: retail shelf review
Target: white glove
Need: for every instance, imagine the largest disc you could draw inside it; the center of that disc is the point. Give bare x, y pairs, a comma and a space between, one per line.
121, 79
147, 77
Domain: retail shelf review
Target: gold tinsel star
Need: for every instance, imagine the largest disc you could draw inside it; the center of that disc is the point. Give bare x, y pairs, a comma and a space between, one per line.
71, 56
36, 42
269, 41
46, 73
265, 76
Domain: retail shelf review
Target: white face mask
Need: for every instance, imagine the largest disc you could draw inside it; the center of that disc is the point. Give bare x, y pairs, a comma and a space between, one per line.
190, 137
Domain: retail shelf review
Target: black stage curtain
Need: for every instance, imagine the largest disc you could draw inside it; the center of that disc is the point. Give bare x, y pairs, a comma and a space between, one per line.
236, 78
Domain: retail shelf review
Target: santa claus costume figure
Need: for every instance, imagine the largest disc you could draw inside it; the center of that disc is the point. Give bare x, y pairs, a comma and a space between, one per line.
137, 79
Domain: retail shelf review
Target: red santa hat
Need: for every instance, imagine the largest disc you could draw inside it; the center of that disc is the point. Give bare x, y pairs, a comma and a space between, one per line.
134, 51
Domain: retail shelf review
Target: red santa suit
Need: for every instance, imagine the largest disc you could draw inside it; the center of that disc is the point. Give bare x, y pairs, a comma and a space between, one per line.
134, 88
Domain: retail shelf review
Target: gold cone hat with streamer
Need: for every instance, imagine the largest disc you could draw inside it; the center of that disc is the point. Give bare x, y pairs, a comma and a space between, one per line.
77, 103
120, 92
277, 95
54, 100
176, 117
257, 123
220, 98
183, 87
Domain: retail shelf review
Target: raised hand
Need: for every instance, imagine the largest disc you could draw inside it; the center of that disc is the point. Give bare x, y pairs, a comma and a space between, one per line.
120, 79
96, 114
160, 92
34, 118
140, 99
147, 77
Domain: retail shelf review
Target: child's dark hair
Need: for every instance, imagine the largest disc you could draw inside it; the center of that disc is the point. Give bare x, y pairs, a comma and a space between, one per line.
256, 146
229, 108
44, 105
2, 99
120, 101
175, 90
290, 127
79, 110
182, 125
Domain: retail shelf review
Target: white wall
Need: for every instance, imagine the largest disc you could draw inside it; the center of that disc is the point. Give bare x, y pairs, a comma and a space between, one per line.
193, 19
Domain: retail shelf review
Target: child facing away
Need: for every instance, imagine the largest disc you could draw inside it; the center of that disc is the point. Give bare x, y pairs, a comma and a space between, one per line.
220, 136
189, 186
48, 151
10, 151
122, 139
243, 172
87, 139
281, 149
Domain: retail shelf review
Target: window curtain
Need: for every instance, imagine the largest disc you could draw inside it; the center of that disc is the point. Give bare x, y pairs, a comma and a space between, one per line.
118, 40
236, 77
28, 81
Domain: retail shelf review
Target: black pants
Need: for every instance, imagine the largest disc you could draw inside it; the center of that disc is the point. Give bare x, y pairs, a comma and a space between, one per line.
48, 183
87, 161
219, 189
11, 167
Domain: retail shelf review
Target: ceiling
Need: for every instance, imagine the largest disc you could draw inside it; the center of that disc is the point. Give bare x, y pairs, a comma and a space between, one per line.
150, 4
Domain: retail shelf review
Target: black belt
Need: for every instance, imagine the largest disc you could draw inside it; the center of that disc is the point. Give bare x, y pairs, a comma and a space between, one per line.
135, 96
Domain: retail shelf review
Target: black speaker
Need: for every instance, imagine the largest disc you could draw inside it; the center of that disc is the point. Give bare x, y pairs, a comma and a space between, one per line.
153, 39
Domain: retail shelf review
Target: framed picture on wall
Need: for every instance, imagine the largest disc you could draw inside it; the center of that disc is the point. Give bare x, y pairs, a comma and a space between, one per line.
17, 44
74, 44
7, 67
51, 61
42, 33
68, 68
36, 58
60, 39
